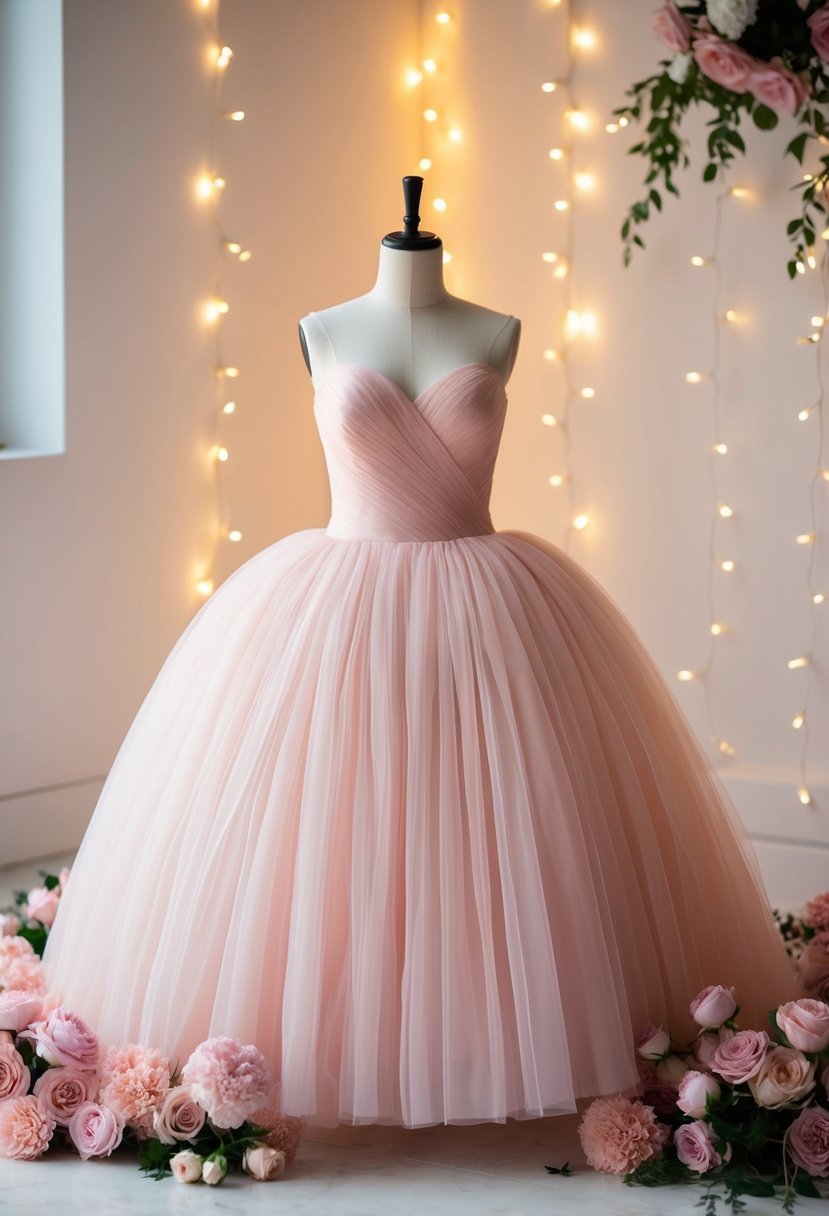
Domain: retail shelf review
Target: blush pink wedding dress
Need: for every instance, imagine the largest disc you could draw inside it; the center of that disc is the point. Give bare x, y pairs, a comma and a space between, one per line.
410, 807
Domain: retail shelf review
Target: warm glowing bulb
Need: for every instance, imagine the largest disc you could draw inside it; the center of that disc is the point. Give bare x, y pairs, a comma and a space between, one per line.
578, 119
698, 260
584, 39
727, 565
413, 77
581, 521
233, 247
560, 271
205, 187
230, 372
234, 115
430, 115
804, 795
804, 414
611, 127
447, 257
556, 153
588, 393
818, 322
245, 255
721, 448
550, 355
548, 419
429, 65
801, 269
805, 538
724, 510
222, 454
455, 134
694, 377
818, 598
717, 628
442, 18
215, 308
439, 204
802, 661
725, 747
204, 586
549, 86
584, 181
234, 535
812, 260
425, 163
549, 257
228, 407
685, 675
740, 192
223, 56
798, 720
730, 314
556, 479
561, 204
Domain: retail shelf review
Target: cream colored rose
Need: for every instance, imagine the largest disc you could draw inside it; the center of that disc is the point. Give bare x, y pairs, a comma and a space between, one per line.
179, 1117
671, 1070
186, 1166
653, 1042
805, 1023
263, 1162
784, 1076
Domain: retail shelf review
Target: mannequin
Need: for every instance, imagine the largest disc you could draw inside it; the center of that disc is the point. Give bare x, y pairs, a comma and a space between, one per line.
408, 326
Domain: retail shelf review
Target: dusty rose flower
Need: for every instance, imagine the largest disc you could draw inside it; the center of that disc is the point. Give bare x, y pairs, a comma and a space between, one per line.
25, 1127
740, 1057
228, 1079
214, 1169
652, 1042
63, 1037
42, 904
12, 948
9, 924
671, 1070
62, 1090
694, 1089
694, 1143
14, 1075
658, 1094
805, 1023
808, 1141
775, 86
818, 25
263, 1162
24, 972
713, 1006
707, 1044
186, 1166
813, 968
285, 1131
784, 1076
723, 62
618, 1134
179, 1117
672, 27
95, 1130
6, 1036
134, 1083
18, 1008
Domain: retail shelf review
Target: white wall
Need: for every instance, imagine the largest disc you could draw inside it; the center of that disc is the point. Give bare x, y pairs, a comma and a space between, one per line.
107, 538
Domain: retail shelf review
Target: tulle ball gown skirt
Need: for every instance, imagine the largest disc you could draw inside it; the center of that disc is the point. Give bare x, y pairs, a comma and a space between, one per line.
420, 818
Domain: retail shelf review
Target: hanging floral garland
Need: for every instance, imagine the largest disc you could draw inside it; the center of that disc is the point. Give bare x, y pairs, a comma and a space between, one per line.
752, 58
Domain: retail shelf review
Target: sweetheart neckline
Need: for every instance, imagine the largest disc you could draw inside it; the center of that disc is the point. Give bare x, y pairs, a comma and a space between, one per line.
414, 401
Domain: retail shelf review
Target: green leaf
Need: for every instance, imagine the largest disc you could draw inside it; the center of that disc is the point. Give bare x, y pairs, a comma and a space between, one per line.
804, 1185
735, 138
638, 240
797, 146
626, 229
764, 118
791, 229
656, 199
792, 269
710, 172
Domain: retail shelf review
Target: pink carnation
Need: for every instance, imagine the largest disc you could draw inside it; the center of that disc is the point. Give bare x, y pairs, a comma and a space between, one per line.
816, 911
95, 1130
808, 1141
618, 1134
134, 1082
285, 1130
18, 1009
672, 27
775, 86
63, 1037
724, 62
26, 1127
818, 25
9, 924
229, 1080
26, 973
63, 1090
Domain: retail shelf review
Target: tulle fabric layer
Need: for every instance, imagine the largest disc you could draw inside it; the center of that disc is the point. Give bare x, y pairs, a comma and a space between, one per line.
423, 821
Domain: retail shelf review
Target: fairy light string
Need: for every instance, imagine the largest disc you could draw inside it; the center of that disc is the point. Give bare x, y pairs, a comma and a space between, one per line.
209, 190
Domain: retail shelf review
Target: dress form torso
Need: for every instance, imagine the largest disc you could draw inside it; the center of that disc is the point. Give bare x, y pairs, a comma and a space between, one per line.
408, 327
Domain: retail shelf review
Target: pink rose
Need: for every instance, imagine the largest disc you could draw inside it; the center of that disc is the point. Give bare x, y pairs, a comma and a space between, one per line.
784, 1077
672, 27
43, 904
24, 972
693, 1091
813, 968
95, 1130
724, 62
228, 1079
775, 86
63, 1037
741, 1056
818, 25
713, 1006
63, 1090
652, 1042
18, 1009
14, 1075
805, 1023
25, 1127
707, 1044
186, 1166
618, 1134
694, 1143
134, 1083
9, 924
263, 1162
179, 1117
808, 1140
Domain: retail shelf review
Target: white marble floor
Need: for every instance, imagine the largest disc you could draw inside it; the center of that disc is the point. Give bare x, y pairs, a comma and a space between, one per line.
488, 1169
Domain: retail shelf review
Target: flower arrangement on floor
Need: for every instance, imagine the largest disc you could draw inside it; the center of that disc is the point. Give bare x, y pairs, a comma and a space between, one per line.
737, 1108
753, 58
218, 1113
